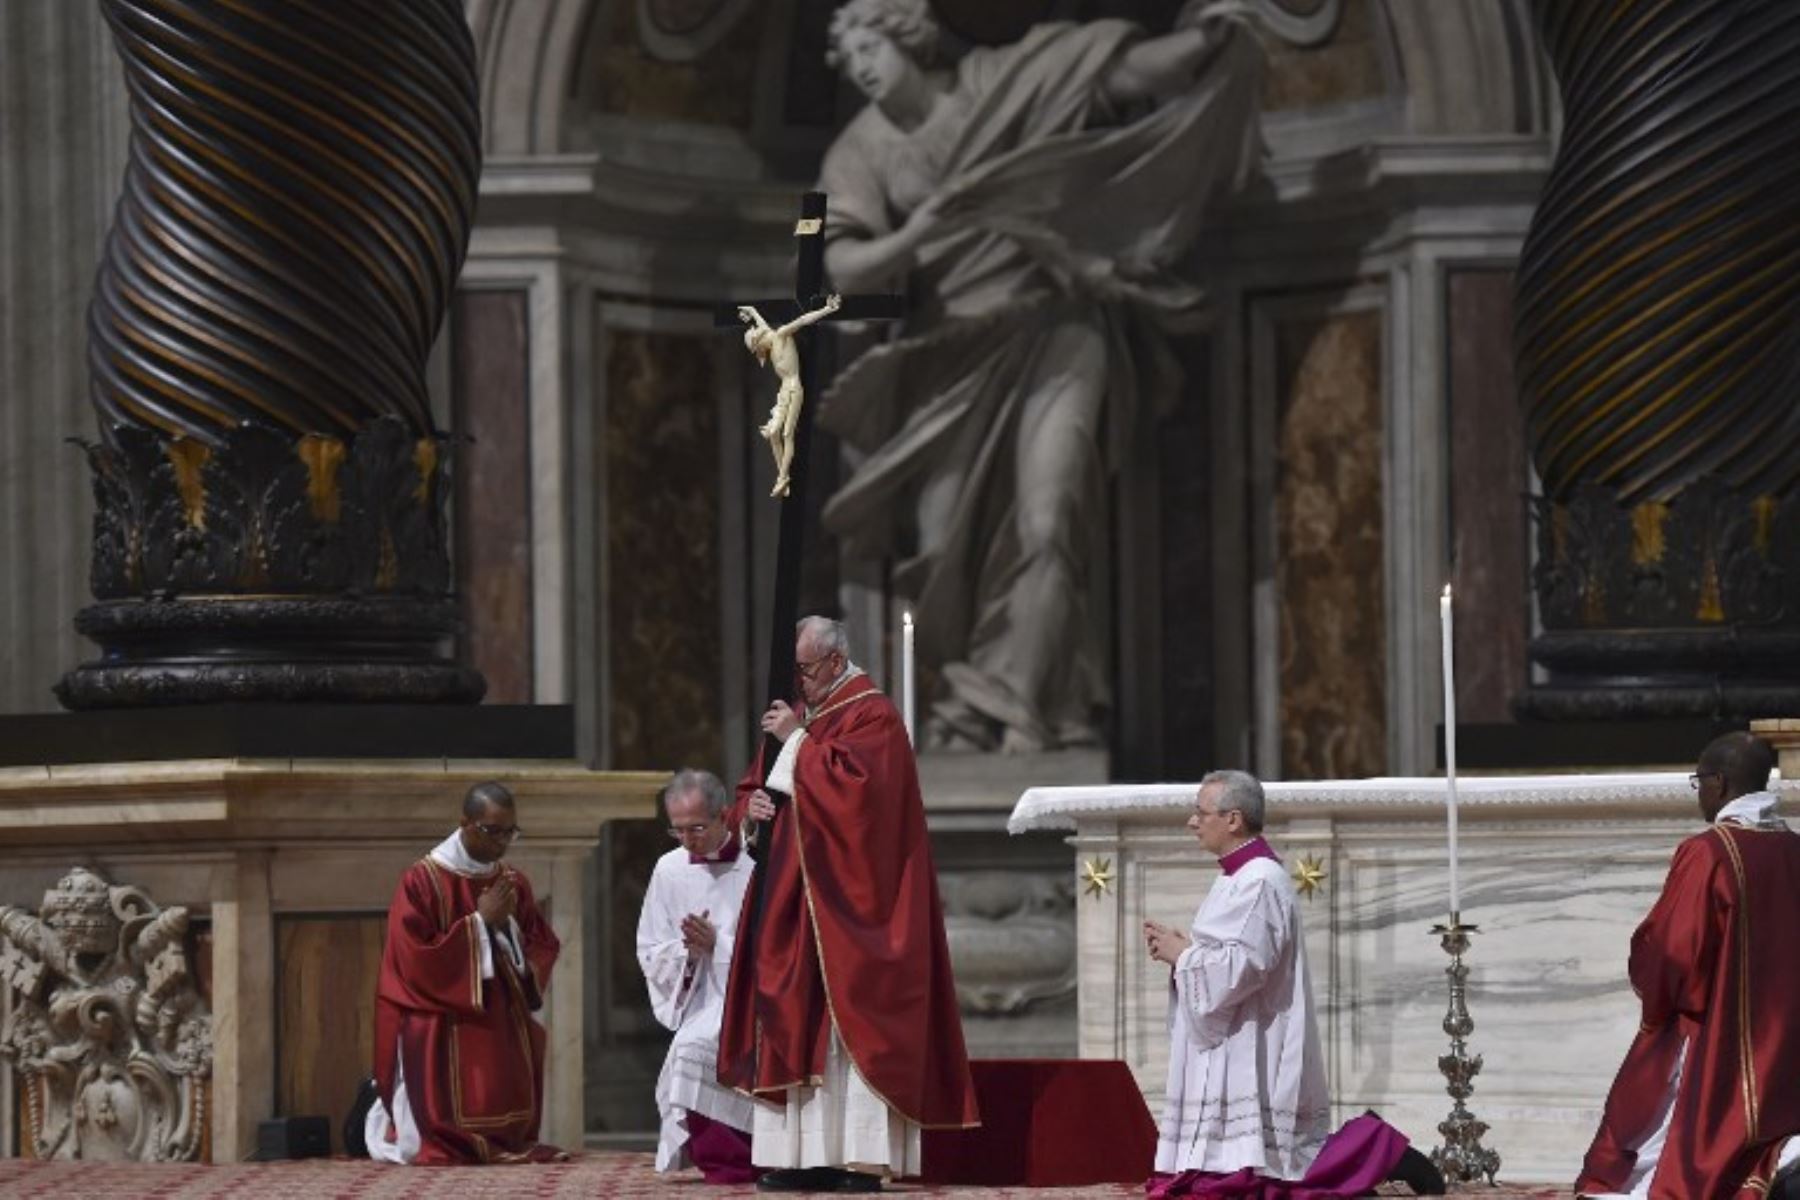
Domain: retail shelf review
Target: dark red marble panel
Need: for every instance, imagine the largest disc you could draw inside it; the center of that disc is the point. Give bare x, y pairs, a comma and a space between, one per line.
491, 413
662, 502
1488, 481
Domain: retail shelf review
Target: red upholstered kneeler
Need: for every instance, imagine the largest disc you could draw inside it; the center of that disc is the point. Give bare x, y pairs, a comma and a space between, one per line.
1048, 1122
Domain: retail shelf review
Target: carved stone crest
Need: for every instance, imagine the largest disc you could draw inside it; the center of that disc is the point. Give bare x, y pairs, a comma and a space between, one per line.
106, 1027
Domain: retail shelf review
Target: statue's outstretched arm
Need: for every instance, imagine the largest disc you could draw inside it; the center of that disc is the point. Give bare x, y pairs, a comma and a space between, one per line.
1156, 67
749, 316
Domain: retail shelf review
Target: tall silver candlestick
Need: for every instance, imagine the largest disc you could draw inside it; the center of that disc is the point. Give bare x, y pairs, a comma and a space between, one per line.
1462, 1158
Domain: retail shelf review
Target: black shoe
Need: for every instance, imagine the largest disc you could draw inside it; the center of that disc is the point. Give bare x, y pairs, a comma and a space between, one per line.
355, 1144
1418, 1173
1786, 1184
807, 1179
856, 1181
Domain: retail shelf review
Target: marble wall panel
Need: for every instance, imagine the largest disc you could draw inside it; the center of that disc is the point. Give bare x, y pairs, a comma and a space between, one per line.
620, 74
1347, 68
63, 132
1489, 477
491, 469
662, 545
326, 972
811, 95
1329, 562
1183, 444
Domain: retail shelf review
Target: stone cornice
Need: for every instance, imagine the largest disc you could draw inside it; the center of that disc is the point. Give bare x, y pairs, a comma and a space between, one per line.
294, 802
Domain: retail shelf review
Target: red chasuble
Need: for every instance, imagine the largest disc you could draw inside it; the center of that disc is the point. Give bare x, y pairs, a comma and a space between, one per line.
1714, 964
850, 932
472, 1056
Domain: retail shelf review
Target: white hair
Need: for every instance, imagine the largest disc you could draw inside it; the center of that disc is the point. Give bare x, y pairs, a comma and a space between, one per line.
1239, 791
689, 780
826, 634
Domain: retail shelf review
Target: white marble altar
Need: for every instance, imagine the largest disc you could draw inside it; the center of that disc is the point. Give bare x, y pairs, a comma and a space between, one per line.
1556, 870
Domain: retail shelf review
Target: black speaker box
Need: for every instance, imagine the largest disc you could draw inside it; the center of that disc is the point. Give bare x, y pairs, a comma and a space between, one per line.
293, 1137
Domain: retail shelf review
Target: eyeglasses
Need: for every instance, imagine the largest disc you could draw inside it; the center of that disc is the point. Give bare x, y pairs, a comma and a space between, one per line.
680, 831
500, 833
1697, 776
807, 670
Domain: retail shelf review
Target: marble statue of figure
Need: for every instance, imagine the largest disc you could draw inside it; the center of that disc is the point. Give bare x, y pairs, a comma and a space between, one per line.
775, 349
107, 1029
1036, 199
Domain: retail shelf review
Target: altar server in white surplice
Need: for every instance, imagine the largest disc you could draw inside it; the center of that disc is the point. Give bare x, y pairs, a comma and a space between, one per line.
1247, 1097
684, 942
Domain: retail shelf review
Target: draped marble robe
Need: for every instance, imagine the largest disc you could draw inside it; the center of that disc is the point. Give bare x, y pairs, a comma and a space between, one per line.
1035, 332
1705, 1103
687, 991
459, 1057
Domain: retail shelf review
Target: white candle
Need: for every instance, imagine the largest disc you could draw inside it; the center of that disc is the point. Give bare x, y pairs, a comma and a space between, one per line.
906, 675
1449, 624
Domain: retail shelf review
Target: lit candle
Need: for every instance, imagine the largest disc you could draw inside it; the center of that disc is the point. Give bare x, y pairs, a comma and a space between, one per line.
1450, 745
906, 674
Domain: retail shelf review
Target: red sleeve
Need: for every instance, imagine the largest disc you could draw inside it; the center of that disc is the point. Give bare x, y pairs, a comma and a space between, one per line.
423, 967
541, 944
1673, 953
1633, 1110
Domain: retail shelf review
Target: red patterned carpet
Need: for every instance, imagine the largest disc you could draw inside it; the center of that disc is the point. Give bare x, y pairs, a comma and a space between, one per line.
592, 1175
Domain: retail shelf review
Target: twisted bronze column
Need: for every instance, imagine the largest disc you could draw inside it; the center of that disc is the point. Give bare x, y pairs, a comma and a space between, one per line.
269, 480
1658, 341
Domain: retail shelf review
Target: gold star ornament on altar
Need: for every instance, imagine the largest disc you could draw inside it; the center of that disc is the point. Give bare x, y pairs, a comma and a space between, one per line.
1097, 876
1309, 874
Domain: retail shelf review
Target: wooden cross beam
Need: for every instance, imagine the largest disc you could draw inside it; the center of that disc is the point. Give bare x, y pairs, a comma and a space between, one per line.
809, 286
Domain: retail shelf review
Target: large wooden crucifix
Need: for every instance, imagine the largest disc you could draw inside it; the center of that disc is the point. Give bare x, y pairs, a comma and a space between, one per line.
786, 314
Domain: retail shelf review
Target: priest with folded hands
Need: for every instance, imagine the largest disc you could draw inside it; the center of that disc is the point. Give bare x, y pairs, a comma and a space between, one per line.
1248, 1113
459, 1052
685, 938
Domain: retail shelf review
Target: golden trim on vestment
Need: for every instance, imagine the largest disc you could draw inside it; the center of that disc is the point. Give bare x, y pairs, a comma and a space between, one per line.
1746, 1061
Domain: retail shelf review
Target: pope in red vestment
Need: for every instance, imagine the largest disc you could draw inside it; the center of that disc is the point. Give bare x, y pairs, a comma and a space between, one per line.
459, 1058
1706, 1101
843, 930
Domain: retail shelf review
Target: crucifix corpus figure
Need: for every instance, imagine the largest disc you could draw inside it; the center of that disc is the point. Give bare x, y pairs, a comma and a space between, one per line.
775, 348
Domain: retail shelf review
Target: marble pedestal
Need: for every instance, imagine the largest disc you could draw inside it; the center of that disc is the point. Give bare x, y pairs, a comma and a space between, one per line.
1556, 872
250, 845
1009, 903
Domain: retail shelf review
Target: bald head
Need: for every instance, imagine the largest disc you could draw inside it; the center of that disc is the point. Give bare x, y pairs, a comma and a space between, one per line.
482, 796
1741, 761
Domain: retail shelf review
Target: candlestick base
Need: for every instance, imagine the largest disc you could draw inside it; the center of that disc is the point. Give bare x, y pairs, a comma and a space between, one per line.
1462, 1158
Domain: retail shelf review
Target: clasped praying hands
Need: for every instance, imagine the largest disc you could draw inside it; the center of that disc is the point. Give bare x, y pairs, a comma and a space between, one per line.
698, 933
500, 902
1166, 944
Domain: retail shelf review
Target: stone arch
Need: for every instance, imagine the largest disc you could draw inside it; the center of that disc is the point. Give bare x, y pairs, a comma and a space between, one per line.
1467, 66
528, 51
1471, 66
